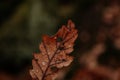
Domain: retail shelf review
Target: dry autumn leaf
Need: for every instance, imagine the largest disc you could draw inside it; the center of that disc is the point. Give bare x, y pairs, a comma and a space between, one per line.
54, 53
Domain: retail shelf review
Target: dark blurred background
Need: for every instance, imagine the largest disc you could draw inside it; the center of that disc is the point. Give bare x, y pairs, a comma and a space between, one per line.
23, 22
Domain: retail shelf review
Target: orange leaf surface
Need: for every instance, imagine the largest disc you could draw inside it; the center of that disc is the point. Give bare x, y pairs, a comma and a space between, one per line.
54, 53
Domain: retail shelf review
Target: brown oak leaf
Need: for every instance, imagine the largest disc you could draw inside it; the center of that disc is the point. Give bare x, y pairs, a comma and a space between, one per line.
54, 53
